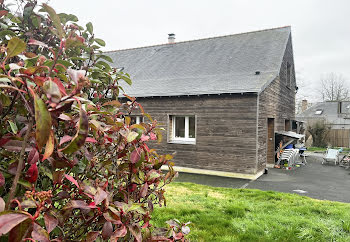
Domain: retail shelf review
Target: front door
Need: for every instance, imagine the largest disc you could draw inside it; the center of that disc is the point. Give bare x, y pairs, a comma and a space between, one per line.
270, 141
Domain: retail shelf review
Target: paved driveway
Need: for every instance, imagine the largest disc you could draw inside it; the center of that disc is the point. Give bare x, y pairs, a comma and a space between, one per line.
326, 182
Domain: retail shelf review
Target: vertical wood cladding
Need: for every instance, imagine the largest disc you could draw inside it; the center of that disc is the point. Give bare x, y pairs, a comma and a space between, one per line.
277, 101
225, 130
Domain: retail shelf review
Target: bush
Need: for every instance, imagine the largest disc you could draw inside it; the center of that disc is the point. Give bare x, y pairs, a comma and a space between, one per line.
74, 166
319, 131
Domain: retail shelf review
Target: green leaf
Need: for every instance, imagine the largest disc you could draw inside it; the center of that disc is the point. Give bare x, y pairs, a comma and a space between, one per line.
126, 79
36, 20
15, 47
105, 57
132, 136
104, 64
100, 42
89, 27
13, 127
43, 122
80, 137
6, 32
5, 100
55, 19
26, 184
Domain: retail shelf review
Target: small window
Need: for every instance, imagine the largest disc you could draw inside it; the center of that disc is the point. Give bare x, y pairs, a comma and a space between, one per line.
319, 112
182, 129
136, 119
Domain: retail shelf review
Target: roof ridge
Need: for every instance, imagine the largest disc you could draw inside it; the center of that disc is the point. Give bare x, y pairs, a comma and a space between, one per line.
186, 41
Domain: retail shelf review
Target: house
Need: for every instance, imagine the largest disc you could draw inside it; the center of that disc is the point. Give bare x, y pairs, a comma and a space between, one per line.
336, 115
220, 100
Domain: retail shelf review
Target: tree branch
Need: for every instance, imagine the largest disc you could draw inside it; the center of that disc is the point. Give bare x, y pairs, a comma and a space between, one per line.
20, 164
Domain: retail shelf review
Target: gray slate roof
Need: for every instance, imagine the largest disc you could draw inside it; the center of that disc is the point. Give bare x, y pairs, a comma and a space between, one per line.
329, 113
216, 65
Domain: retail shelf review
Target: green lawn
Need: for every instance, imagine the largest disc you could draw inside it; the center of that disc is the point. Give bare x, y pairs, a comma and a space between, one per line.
224, 214
319, 149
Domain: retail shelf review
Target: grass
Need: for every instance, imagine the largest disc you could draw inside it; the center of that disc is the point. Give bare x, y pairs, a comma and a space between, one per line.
224, 214
319, 149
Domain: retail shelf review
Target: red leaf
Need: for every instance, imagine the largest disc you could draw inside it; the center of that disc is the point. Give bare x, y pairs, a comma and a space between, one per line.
135, 155
50, 222
72, 180
60, 85
100, 196
92, 204
146, 147
40, 234
15, 145
144, 190
12, 168
144, 137
39, 80
107, 230
82, 132
136, 232
32, 173
36, 42
19, 232
153, 136
64, 117
3, 141
119, 233
77, 204
2, 180
3, 13
33, 156
65, 139
50, 145
92, 236
57, 176
9, 220
90, 140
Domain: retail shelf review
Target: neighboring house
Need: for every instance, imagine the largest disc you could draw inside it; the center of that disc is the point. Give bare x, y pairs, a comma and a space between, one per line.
336, 115
219, 99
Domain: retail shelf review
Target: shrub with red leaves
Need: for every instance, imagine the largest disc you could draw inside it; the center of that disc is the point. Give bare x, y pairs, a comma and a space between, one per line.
76, 168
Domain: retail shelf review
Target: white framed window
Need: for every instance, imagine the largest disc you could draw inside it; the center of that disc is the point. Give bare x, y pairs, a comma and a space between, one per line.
182, 129
136, 119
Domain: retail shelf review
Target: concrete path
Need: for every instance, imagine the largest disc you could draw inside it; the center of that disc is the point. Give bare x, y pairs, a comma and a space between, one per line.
325, 182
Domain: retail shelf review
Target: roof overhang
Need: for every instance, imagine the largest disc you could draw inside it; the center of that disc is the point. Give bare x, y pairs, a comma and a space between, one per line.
290, 134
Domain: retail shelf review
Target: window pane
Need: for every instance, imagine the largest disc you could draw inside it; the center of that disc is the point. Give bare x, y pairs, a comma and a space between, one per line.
133, 120
192, 127
180, 127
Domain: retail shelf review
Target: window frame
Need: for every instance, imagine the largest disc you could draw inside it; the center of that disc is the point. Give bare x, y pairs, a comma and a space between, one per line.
172, 127
138, 118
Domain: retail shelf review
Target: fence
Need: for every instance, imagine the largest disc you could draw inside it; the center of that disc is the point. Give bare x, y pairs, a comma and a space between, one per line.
339, 137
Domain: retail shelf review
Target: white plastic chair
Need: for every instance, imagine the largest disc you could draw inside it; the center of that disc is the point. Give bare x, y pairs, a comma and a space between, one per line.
332, 155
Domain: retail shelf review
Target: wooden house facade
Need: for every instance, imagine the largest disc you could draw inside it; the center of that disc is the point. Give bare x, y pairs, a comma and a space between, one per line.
220, 100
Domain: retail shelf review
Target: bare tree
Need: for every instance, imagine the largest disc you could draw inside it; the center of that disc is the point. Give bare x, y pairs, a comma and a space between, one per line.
334, 88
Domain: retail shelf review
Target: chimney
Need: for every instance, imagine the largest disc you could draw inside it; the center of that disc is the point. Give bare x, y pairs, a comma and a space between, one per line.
171, 38
303, 105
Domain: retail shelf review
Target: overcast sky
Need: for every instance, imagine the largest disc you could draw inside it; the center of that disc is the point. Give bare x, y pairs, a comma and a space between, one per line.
320, 28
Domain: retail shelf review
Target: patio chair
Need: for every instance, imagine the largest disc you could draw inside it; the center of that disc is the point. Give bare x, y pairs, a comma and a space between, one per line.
332, 155
289, 155
345, 161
